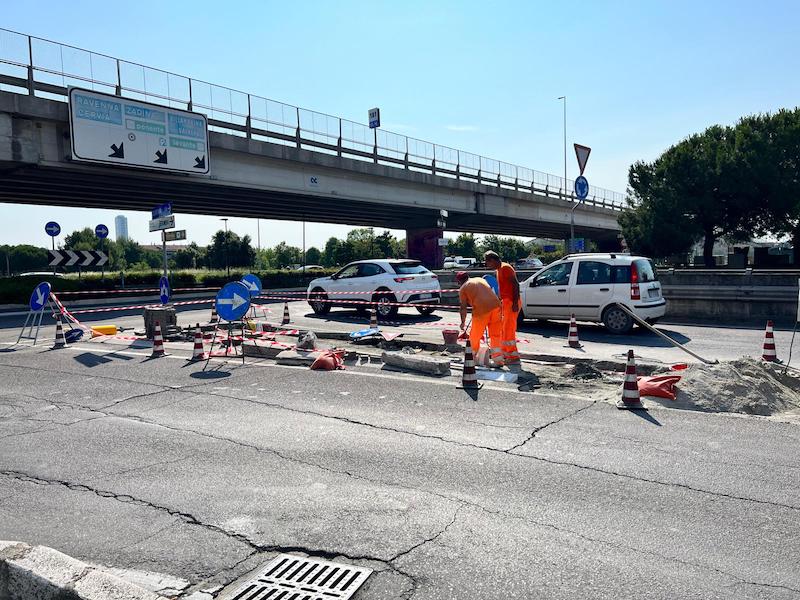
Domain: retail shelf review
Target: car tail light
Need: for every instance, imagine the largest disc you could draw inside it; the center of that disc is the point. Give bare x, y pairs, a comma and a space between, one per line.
434, 276
402, 279
635, 293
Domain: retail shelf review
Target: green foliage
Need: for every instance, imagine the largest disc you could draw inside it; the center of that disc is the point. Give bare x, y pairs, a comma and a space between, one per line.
313, 256
238, 250
510, 249
22, 258
464, 245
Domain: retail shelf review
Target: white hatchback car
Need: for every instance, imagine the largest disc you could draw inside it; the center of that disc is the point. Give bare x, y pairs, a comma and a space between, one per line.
590, 286
380, 283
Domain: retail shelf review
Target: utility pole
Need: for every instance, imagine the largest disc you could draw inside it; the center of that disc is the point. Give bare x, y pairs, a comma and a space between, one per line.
227, 264
572, 213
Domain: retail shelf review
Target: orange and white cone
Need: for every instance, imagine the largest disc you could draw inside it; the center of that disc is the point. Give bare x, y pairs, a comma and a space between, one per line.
373, 319
199, 351
158, 343
768, 353
214, 315
61, 341
286, 319
469, 380
572, 337
630, 388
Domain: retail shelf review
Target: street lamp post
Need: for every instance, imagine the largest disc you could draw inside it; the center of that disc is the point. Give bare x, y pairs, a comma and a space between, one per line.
572, 212
227, 264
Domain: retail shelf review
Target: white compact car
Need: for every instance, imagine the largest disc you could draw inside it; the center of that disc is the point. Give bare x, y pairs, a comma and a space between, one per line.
590, 286
381, 282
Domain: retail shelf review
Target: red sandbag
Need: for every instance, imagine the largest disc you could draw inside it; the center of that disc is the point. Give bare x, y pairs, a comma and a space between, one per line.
660, 386
330, 360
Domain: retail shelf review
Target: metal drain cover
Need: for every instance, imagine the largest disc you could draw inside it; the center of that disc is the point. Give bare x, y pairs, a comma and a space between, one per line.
289, 577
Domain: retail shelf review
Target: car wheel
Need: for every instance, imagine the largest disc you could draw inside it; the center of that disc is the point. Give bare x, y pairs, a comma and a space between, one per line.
319, 304
425, 310
617, 321
521, 317
383, 305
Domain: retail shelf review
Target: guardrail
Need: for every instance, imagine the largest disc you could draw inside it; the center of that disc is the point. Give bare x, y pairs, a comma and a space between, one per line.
41, 67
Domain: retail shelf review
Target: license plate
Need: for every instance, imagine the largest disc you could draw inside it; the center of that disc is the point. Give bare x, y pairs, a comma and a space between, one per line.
654, 293
424, 296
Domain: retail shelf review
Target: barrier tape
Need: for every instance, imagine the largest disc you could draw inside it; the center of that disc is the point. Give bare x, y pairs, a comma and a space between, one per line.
428, 291
135, 290
135, 307
422, 302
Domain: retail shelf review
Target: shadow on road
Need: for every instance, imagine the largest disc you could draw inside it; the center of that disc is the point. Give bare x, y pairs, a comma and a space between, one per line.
598, 334
89, 359
353, 316
643, 414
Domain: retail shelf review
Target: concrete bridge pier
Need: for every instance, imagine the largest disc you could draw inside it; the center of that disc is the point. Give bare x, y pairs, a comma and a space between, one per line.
422, 243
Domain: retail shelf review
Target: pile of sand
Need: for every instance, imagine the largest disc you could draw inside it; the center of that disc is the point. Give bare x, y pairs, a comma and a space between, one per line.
743, 386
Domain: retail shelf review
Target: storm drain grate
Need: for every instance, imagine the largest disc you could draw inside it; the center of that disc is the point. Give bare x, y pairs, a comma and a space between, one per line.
289, 577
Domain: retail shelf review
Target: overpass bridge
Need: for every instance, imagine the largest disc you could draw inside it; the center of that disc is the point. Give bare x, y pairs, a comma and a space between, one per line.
270, 160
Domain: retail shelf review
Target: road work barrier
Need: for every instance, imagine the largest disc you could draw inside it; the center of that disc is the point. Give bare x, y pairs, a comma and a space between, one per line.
158, 343
768, 352
630, 388
60, 342
572, 336
469, 379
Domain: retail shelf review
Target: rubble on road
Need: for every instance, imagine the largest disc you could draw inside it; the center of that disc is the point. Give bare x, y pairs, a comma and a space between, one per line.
583, 371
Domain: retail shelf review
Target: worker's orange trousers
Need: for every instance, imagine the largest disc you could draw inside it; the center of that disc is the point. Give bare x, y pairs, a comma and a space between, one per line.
480, 322
509, 333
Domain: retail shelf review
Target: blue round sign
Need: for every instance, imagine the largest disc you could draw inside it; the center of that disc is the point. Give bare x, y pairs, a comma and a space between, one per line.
581, 187
164, 291
233, 301
39, 296
101, 231
52, 229
492, 281
252, 283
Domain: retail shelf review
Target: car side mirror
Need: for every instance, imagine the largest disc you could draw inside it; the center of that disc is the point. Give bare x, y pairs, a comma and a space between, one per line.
334, 276
534, 283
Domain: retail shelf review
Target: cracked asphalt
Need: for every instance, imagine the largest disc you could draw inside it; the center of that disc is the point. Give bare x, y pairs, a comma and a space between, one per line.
156, 465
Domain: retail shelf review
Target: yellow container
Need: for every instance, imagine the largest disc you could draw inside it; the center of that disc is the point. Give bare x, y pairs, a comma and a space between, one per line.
98, 330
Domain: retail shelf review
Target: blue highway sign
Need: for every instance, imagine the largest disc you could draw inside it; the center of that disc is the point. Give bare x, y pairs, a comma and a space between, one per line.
233, 301
101, 231
164, 291
581, 187
162, 210
52, 229
252, 283
39, 296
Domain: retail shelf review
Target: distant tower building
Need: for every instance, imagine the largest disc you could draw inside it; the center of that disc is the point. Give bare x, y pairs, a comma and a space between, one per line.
121, 227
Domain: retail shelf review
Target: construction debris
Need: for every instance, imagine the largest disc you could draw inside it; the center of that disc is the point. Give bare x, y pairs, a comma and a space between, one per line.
417, 362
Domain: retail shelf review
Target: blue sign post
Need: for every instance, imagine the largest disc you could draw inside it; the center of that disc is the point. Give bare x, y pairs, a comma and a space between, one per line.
39, 298
252, 283
163, 287
492, 281
233, 301
162, 210
101, 231
581, 187
52, 229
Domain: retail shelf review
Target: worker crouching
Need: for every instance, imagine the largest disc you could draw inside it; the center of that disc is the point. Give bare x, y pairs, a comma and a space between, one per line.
475, 292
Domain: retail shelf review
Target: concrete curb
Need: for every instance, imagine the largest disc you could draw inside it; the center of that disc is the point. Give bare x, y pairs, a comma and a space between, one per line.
38, 572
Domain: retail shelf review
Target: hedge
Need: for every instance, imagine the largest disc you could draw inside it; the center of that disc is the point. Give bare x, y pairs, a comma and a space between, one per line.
17, 290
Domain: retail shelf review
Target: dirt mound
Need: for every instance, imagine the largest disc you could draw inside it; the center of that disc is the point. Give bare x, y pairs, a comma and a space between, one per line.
583, 371
743, 386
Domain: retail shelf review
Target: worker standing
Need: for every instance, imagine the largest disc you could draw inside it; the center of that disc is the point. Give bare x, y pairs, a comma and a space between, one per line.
510, 300
475, 292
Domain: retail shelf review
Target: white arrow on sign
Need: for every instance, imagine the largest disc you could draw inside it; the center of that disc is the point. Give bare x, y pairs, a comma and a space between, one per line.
73, 258
235, 302
251, 285
52, 229
88, 258
39, 297
164, 291
103, 258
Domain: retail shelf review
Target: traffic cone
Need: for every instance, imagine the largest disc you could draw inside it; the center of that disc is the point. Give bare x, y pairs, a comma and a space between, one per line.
768, 353
158, 343
199, 352
373, 319
286, 320
61, 341
469, 380
572, 338
214, 315
630, 389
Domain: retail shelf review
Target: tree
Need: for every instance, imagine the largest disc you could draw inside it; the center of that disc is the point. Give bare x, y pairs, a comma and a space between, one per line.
191, 257
362, 243
240, 252
387, 246
464, 245
23, 257
286, 255
313, 256
510, 249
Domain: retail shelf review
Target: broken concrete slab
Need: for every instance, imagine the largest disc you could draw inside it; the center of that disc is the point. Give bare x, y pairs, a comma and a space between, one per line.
299, 358
431, 365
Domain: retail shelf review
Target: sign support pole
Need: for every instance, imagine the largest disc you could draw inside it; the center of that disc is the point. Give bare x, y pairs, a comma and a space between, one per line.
164, 247
54, 250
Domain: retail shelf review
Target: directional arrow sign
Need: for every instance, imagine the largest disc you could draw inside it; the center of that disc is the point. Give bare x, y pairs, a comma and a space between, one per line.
163, 286
252, 283
39, 296
86, 258
200, 163
582, 154
233, 300
73, 258
52, 229
117, 151
161, 156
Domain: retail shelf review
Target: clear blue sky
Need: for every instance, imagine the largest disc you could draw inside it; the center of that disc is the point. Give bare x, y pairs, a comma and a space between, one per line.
478, 76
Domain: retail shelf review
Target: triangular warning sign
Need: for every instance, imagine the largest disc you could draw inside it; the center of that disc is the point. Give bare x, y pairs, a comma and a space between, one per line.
582, 153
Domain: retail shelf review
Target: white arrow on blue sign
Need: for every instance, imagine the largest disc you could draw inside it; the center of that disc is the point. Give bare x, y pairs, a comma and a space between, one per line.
581, 187
252, 283
163, 286
52, 229
233, 301
101, 231
39, 296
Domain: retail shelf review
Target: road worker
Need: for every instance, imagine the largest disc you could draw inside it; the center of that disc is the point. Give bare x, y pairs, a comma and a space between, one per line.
510, 301
475, 292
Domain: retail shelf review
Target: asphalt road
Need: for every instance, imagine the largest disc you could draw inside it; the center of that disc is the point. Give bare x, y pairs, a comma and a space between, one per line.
156, 465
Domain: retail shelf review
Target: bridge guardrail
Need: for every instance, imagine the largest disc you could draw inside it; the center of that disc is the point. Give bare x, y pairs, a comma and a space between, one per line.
37, 66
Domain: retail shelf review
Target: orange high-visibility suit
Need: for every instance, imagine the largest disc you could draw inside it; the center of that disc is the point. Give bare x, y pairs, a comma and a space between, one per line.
475, 292
510, 298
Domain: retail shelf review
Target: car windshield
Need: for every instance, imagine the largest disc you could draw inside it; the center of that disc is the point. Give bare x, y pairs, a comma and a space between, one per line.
409, 268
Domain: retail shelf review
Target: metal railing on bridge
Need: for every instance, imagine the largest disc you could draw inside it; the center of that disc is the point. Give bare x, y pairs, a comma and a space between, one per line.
40, 67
